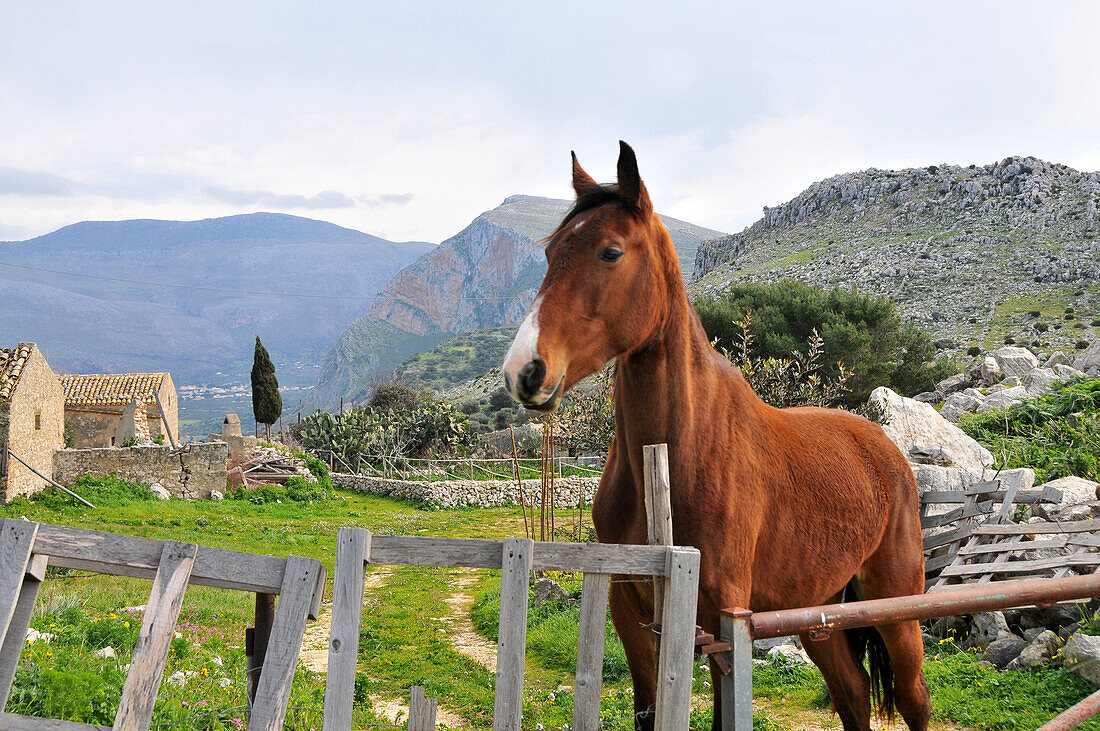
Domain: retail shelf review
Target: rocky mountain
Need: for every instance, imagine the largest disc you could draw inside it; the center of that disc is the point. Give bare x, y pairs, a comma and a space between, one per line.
485, 276
974, 254
190, 296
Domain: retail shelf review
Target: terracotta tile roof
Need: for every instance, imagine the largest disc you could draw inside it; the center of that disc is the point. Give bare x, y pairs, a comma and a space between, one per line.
110, 389
12, 361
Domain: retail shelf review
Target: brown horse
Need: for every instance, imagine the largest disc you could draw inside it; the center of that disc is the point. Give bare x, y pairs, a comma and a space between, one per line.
788, 508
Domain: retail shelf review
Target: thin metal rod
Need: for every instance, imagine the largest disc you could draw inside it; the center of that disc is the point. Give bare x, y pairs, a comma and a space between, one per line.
983, 598
1075, 715
62, 488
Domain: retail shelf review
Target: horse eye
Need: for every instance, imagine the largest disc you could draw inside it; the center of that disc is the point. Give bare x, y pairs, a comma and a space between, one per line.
610, 254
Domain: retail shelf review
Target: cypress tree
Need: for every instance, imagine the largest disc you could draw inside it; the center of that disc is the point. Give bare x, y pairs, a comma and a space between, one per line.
267, 402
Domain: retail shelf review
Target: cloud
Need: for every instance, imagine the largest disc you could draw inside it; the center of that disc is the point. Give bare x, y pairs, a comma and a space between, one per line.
14, 181
326, 199
386, 199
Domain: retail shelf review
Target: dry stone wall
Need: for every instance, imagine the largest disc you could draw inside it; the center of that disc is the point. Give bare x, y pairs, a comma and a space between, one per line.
190, 475
473, 493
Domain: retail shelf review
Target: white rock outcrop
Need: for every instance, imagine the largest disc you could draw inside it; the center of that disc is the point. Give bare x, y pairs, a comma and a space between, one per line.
1013, 361
911, 424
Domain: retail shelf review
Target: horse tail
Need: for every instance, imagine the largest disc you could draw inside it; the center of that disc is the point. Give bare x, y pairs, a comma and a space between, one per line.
866, 642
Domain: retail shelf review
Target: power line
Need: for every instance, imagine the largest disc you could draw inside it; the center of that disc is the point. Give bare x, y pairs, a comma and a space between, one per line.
224, 290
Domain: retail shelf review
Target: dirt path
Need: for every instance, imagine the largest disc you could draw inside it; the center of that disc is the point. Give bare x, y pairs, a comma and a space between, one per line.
314, 656
464, 638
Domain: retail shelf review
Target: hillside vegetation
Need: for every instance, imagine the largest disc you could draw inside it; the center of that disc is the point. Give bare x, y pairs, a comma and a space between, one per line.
1055, 435
965, 252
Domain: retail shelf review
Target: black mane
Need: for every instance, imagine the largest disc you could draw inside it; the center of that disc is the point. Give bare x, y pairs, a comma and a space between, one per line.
593, 198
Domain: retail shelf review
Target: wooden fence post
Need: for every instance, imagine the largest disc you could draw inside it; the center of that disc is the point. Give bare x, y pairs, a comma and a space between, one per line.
352, 552
588, 682
421, 711
512, 635
658, 506
676, 660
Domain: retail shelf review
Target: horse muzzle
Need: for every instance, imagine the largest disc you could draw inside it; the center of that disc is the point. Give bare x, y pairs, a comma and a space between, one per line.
528, 389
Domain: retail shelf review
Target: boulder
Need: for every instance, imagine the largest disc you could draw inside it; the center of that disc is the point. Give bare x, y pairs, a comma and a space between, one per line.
1039, 652
1014, 361
1089, 358
1039, 381
1006, 383
954, 383
929, 454
1065, 371
215, 495
929, 397
973, 371
789, 653
1074, 489
909, 423
1053, 618
959, 403
1081, 656
159, 490
1003, 650
762, 647
991, 370
107, 652
548, 590
1003, 399
985, 627
1057, 358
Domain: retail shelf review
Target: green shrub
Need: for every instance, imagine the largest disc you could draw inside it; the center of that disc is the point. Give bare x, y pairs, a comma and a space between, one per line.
864, 333
100, 491
973, 351
1040, 433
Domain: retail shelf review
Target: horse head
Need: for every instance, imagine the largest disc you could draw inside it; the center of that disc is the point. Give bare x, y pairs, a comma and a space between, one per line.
606, 290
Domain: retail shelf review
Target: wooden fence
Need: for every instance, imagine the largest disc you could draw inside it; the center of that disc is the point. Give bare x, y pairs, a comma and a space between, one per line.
676, 569
272, 646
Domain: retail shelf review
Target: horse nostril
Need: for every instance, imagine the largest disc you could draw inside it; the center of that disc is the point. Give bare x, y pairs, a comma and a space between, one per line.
530, 377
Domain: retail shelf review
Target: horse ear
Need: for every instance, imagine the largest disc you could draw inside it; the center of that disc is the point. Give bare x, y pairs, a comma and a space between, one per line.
631, 186
582, 181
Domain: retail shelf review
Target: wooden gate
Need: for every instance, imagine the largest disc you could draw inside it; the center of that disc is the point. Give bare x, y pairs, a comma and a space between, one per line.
673, 568
26, 548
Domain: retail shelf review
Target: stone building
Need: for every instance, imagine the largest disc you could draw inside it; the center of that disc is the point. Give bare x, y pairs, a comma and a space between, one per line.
32, 419
95, 405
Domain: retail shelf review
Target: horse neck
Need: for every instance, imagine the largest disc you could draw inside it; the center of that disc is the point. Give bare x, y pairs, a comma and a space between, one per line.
674, 389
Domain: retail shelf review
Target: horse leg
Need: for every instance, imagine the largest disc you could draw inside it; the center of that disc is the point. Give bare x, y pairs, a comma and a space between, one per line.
897, 569
848, 683
906, 649
632, 614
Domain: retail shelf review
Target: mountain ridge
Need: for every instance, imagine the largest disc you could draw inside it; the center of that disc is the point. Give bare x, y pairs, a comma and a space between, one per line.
484, 276
968, 252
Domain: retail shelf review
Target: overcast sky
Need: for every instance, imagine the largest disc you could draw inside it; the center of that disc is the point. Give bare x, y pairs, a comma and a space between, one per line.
406, 120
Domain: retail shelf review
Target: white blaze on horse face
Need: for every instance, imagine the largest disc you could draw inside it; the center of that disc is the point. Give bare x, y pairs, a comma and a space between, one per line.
525, 347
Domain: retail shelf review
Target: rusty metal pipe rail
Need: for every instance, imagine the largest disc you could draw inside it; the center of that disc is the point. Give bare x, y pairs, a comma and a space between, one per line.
980, 598
1075, 715
739, 627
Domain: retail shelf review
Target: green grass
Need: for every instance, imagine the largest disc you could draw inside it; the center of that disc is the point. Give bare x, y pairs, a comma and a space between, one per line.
1040, 433
405, 637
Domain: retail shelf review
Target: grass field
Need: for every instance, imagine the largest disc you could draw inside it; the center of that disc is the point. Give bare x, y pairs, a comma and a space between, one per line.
429, 627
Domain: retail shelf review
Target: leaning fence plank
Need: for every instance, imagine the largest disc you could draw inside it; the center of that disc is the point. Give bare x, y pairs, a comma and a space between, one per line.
16, 542
277, 673
16, 634
352, 546
674, 669
139, 694
1012, 529
1023, 567
658, 508
593, 628
512, 635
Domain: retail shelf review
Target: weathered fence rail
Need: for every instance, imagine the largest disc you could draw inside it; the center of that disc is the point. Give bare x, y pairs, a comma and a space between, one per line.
272, 646
676, 568
741, 626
